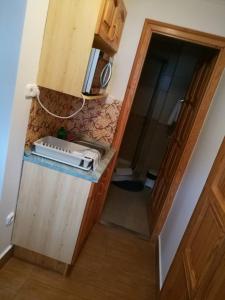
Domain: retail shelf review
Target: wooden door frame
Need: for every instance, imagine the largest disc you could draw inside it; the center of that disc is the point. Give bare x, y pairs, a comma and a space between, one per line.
185, 34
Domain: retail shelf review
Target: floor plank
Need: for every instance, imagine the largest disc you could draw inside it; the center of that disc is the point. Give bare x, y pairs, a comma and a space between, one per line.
114, 265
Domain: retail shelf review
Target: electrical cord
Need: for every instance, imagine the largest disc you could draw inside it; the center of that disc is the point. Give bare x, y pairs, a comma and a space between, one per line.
57, 116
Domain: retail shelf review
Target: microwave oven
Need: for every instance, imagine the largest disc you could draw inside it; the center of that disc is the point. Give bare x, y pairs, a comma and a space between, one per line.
98, 74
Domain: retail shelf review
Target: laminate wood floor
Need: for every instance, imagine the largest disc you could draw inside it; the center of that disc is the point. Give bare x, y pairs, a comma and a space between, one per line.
114, 265
128, 209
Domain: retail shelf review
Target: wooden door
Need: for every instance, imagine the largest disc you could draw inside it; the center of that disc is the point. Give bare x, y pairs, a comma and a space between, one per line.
107, 17
201, 254
170, 165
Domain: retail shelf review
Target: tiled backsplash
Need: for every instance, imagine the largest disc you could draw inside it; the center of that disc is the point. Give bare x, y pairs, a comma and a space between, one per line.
97, 120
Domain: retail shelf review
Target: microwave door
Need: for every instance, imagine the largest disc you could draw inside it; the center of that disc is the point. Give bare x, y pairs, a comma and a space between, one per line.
90, 73
106, 75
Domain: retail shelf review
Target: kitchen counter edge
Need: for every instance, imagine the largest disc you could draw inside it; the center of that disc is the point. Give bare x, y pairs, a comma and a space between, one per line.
93, 176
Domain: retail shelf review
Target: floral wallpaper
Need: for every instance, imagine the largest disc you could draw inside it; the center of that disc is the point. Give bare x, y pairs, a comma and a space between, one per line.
97, 120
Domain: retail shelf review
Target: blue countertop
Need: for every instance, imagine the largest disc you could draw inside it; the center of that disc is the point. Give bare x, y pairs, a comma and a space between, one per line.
92, 176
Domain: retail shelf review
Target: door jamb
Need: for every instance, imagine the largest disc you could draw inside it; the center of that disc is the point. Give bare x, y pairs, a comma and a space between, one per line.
185, 34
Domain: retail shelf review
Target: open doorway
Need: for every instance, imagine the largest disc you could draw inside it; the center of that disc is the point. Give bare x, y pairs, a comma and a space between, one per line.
170, 67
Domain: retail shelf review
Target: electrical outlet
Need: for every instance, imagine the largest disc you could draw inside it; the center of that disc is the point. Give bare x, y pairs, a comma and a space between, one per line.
32, 90
10, 219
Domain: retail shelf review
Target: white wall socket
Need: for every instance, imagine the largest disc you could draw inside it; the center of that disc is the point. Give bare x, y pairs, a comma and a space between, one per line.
10, 219
32, 90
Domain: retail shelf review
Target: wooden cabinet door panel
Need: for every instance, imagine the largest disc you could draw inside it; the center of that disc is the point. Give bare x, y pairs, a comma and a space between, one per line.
68, 38
112, 22
216, 287
176, 285
108, 14
116, 28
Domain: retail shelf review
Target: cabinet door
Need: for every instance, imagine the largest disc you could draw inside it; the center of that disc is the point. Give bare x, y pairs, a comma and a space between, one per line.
68, 38
112, 22
107, 18
116, 29
216, 287
49, 211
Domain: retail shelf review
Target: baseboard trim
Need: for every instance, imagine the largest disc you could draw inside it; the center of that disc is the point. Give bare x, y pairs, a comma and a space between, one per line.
41, 260
160, 263
6, 255
157, 268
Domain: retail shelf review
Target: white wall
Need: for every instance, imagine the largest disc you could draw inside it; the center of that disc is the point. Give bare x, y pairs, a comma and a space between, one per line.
27, 70
203, 15
11, 26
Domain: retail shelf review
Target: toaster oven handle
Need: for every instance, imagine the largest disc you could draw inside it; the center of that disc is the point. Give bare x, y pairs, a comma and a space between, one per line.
106, 75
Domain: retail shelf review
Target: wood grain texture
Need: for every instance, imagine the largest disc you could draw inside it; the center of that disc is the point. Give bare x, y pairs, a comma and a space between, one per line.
186, 34
111, 22
6, 257
87, 223
49, 212
68, 39
113, 265
215, 289
175, 286
201, 251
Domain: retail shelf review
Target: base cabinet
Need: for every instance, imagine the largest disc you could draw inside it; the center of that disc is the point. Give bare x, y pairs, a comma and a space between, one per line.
49, 213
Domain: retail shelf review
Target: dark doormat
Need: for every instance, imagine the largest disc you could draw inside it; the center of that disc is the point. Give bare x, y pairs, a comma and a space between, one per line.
129, 185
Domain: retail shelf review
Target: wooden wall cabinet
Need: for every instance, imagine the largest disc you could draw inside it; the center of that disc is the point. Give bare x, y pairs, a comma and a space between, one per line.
111, 23
50, 211
72, 28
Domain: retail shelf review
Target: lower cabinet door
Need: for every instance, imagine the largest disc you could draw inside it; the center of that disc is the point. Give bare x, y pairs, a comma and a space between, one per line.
49, 211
